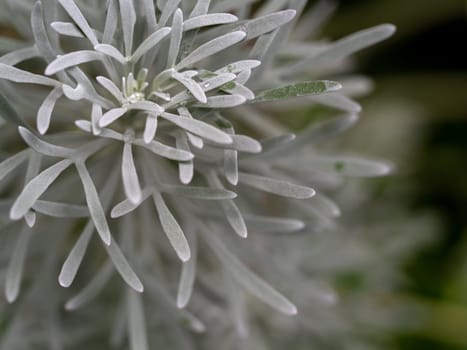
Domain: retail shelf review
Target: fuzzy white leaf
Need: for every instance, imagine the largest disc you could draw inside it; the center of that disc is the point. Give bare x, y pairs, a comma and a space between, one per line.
96, 115
45, 110
165, 151
110, 86
196, 192
239, 89
129, 175
231, 166
192, 86
206, 20
234, 217
211, 47
126, 206
185, 169
94, 204
66, 28
43, 147
123, 267
217, 81
246, 144
111, 22
150, 128
223, 101
172, 229
279, 187
128, 17
110, 116
201, 8
20, 76
147, 106
239, 66
72, 59
150, 13
35, 188
75, 257
267, 23
17, 56
169, 8
110, 51
175, 38
199, 128
150, 42
74, 12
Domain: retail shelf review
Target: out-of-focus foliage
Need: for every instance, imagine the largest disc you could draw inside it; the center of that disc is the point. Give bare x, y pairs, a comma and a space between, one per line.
421, 85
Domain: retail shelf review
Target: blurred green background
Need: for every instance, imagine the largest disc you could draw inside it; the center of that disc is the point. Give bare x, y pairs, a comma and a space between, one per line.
420, 101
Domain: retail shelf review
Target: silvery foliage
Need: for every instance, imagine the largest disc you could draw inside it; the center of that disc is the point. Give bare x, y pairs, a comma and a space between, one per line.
120, 123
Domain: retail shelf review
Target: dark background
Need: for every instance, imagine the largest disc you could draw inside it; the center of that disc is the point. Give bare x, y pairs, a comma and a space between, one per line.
425, 66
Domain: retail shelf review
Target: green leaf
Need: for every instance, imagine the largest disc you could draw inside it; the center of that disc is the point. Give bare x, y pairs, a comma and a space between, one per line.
298, 90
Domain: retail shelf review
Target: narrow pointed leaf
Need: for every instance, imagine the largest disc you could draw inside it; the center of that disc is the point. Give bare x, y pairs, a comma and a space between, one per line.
211, 47
234, 217
192, 86
43, 147
199, 128
172, 229
202, 193
35, 188
110, 86
150, 128
75, 257
66, 28
110, 51
150, 42
129, 175
74, 12
110, 116
128, 17
165, 151
45, 110
94, 204
268, 23
279, 187
175, 38
223, 101
72, 59
231, 166
206, 20
126, 206
123, 267
20, 76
